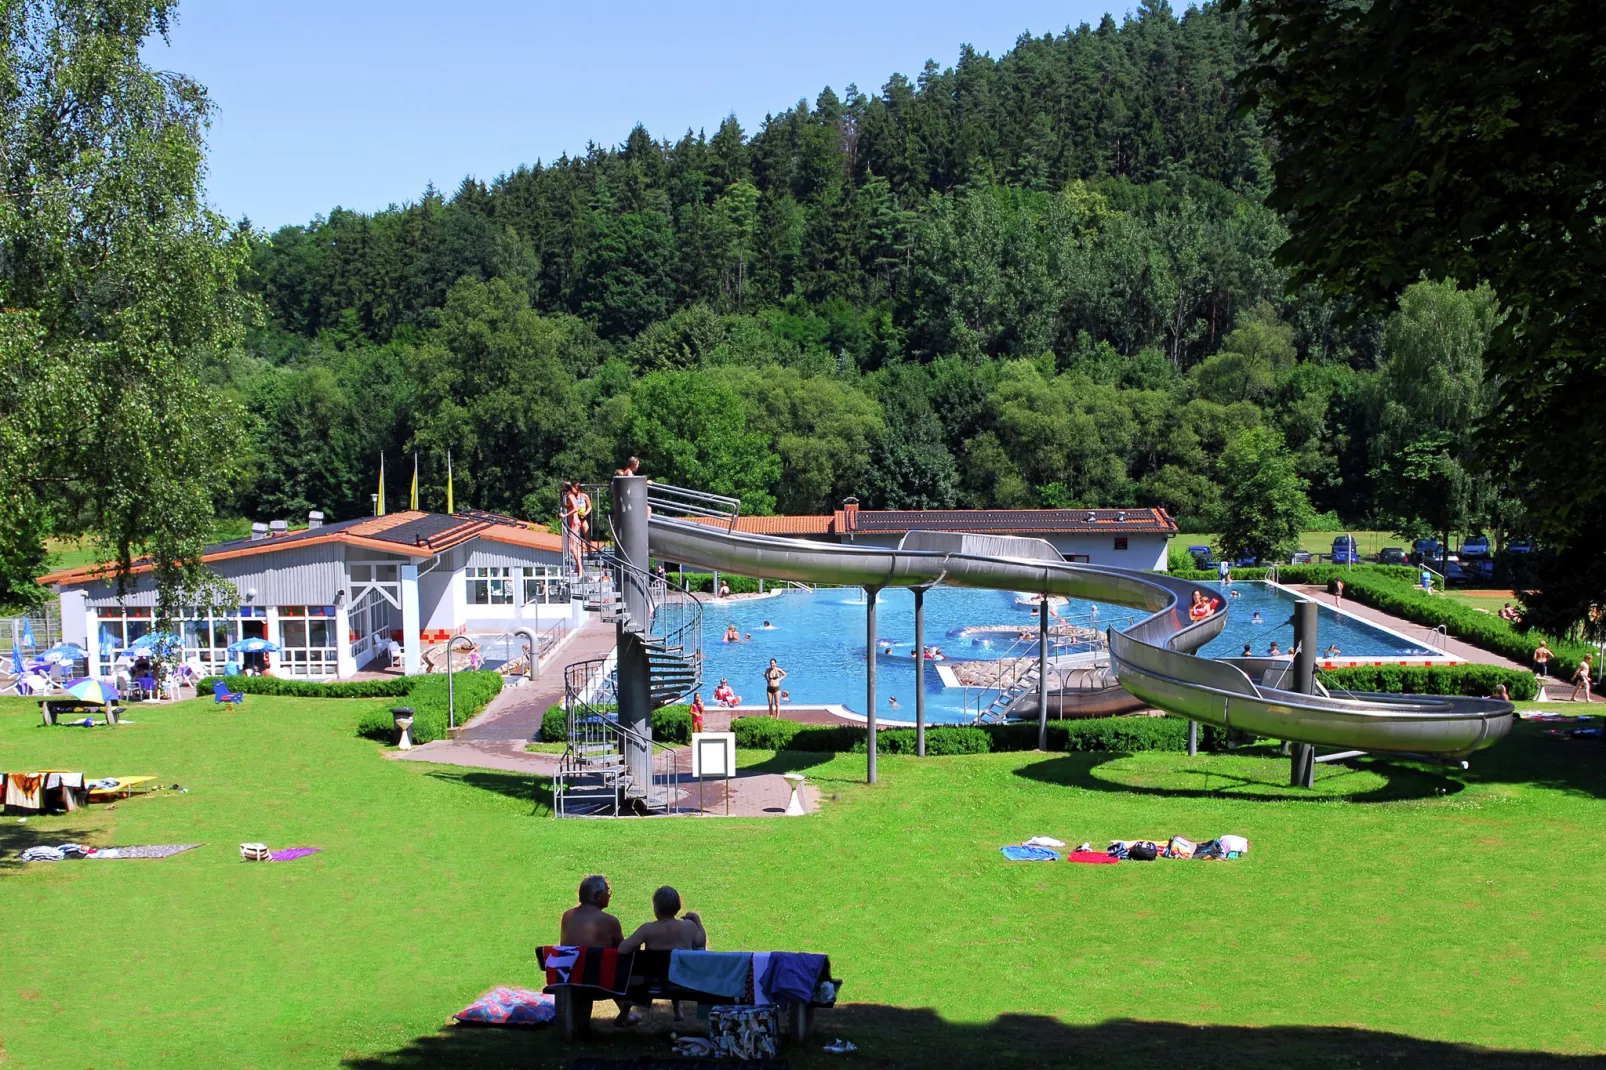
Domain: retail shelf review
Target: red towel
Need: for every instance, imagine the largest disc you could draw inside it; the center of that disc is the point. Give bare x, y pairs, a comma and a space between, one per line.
1095, 858
592, 967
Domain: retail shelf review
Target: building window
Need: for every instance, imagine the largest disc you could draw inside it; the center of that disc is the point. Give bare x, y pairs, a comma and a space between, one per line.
1120, 542
490, 586
544, 585
1077, 559
307, 641
204, 634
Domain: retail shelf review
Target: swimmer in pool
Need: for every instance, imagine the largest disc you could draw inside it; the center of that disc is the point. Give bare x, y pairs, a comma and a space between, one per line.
892, 703
768, 627
732, 635
1256, 618
1275, 651
1248, 653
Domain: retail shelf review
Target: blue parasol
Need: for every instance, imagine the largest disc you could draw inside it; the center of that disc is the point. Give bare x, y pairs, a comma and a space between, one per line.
252, 646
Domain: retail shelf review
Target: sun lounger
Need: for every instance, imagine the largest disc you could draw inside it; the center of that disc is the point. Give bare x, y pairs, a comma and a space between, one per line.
126, 786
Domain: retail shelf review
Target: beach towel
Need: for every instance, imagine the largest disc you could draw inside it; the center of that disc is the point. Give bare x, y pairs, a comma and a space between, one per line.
1095, 858
593, 967
510, 1006
1020, 853
719, 973
793, 975
290, 854
148, 850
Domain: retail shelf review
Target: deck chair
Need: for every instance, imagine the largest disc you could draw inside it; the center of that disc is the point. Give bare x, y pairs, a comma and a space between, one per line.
222, 695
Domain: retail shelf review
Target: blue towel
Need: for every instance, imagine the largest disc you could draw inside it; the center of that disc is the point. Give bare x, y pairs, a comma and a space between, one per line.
793, 975
1030, 854
719, 973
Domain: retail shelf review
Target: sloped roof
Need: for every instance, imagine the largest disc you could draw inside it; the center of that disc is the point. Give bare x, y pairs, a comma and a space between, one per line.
979, 521
413, 533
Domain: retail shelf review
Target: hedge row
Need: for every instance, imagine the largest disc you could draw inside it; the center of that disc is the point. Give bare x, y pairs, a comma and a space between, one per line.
390, 687
1110, 734
1313, 574
671, 724
474, 690
1477, 680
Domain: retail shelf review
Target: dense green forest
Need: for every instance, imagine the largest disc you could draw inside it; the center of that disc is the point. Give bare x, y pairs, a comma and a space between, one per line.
1038, 280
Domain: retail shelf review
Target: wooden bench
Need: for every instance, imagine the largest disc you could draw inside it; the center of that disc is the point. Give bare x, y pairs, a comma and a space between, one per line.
649, 980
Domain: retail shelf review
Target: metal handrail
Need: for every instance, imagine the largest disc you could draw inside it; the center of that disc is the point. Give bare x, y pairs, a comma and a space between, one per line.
1017, 667
681, 501
591, 712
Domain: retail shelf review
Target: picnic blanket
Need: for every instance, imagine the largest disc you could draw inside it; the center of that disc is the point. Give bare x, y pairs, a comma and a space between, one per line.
593, 967
290, 854
510, 1006
66, 851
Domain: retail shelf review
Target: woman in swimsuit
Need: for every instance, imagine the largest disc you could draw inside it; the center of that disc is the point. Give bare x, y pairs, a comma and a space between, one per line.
772, 687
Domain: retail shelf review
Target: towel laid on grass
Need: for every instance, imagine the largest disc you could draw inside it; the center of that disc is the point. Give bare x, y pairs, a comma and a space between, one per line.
290, 854
593, 967
1094, 858
1021, 853
719, 973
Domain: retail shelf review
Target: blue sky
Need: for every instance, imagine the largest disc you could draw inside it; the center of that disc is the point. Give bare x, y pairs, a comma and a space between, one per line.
359, 104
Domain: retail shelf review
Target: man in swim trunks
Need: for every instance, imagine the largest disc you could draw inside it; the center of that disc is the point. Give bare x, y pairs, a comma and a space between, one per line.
589, 925
772, 687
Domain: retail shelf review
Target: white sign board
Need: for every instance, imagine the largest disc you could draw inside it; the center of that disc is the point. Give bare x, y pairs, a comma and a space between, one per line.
713, 754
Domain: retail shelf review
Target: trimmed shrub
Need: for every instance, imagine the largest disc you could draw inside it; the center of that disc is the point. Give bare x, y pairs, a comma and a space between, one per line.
1476, 680
671, 724
1107, 734
474, 691
391, 687
704, 583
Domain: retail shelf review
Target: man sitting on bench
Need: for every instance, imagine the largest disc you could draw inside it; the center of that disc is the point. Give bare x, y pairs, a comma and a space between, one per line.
587, 925
667, 932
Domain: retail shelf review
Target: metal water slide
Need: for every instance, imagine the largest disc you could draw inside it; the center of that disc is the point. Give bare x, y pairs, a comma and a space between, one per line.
1153, 659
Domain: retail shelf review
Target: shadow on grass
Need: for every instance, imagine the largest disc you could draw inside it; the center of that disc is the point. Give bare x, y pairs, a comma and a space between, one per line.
790, 761
1529, 756
15, 839
898, 1036
1401, 781
536, 790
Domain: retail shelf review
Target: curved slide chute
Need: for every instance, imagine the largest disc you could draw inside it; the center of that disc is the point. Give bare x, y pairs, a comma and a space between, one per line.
1153, 659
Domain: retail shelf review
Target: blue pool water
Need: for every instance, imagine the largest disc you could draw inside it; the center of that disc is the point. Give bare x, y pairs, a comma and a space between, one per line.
819, 638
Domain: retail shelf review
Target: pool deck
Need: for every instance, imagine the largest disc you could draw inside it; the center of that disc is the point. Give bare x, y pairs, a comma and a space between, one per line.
1454, 647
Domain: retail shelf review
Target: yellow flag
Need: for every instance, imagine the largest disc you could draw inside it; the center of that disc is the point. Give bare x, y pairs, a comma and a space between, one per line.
449, 507
379, 503
413, 502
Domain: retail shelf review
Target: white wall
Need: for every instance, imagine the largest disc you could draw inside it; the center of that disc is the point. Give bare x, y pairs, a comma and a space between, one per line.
1142, 551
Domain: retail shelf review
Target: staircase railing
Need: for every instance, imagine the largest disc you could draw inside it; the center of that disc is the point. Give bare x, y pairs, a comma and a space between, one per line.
1015, 673
593, 773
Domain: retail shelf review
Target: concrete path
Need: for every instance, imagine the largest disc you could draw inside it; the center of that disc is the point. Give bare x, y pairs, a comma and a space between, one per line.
752, 794
516, 713
1454, 647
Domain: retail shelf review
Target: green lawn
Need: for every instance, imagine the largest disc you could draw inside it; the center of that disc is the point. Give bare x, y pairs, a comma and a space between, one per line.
1396, 916
1317, 542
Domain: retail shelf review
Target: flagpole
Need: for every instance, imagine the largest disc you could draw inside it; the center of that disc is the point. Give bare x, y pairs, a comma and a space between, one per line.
450, 507
379, 501
413, 499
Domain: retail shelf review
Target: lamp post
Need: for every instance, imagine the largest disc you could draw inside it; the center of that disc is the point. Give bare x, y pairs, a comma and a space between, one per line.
451, 694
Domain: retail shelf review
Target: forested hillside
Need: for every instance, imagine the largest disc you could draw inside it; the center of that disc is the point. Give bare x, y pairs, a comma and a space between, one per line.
1041, 279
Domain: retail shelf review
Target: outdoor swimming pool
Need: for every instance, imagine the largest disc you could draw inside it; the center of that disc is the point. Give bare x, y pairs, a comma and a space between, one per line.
818, 637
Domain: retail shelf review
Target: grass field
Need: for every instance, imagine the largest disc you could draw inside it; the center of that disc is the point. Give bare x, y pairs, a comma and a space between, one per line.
1396, 916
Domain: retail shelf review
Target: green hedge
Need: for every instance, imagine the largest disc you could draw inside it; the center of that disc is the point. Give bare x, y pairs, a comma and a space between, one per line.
671, 724
390, 687
704, 583
1476, 680
1108, 734
474, 690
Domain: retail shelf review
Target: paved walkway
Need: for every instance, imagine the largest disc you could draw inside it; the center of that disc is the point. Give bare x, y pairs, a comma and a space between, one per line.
516, 713
752, 794
1454, 647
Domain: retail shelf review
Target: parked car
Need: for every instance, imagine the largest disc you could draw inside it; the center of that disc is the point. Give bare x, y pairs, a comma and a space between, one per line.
1392, 555
1424, 550
1475, 546
1344, 552
1520, 546
1246, 561
1299, 557
1201, 557
1480, 568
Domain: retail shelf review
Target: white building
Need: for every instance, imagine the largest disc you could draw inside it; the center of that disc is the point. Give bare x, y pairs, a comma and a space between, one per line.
333, 596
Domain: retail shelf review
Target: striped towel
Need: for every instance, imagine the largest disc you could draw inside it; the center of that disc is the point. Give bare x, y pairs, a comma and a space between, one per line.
592, 967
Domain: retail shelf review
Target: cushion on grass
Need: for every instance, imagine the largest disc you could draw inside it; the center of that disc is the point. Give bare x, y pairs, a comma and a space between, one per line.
509, 1006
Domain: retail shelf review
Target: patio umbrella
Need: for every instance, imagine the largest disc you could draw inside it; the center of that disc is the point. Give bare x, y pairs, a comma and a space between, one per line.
160, 642
65, 652
252, 646
88, 690
16, 660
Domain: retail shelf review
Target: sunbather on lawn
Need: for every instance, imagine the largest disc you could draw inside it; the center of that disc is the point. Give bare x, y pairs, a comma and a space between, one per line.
588, 925
667, 932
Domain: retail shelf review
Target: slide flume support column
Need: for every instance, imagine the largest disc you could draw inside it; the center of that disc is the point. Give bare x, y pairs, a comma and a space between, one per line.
1302, 766
870, 595
1042, 673
632, 672
920, 672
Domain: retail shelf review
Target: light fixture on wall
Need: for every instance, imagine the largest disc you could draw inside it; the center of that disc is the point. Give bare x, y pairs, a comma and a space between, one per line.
251, 594
340, 598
